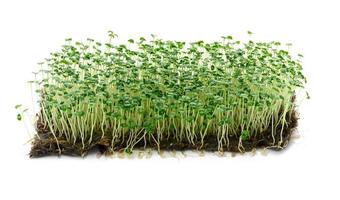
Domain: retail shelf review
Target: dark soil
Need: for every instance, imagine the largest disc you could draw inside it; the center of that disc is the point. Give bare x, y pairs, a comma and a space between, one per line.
46, 144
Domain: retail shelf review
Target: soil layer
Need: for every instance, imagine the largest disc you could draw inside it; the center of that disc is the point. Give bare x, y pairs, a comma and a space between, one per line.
45, 144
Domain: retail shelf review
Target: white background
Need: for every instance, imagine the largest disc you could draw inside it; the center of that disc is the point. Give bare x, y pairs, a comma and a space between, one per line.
309, 168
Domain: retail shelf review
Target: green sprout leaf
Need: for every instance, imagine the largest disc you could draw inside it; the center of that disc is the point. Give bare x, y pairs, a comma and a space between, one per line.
19, 117
245, 135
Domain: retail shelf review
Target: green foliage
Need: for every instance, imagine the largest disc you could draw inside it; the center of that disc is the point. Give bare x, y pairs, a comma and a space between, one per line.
245, 135
21, 111
161, 87
19, 117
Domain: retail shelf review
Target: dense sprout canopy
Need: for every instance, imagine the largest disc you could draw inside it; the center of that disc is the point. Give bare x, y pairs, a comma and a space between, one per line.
152, 88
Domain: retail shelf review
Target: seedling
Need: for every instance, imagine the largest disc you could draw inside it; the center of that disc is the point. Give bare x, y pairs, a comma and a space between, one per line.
224, 95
